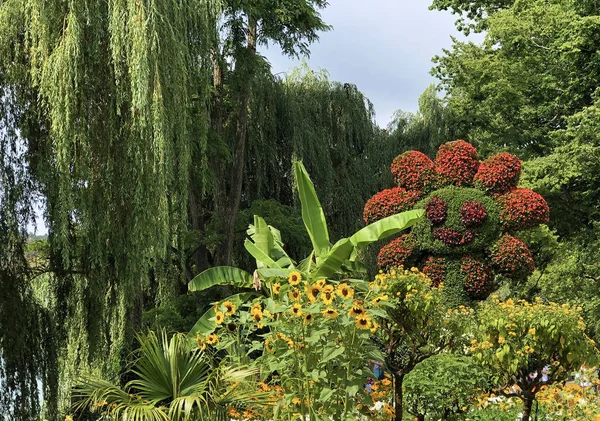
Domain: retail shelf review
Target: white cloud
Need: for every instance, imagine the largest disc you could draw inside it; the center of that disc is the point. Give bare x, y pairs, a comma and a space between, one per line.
385, 47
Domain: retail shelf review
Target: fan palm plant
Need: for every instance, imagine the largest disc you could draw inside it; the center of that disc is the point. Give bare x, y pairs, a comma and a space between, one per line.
171, 383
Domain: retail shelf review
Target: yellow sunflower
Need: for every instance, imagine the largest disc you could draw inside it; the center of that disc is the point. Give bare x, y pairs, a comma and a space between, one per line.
363, 322
308, 317
201, 343
357, 309
327, 296
313, 292
211, 339
330, 313
295, 278
321, 282
256, 308
257, 317
345, 291
380, 298
219, 317
229, 308
296, 310
276, 288
295, 295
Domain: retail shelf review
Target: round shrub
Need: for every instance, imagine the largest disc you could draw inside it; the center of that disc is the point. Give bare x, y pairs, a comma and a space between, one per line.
472, 214
435, 269
499, 173
389, 202
478, 277
414, 171
512, 258
398, 252
457, 163
523, 208
436, 210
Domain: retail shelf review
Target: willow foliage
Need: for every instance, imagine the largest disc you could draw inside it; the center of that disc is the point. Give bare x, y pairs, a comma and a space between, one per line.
98, 94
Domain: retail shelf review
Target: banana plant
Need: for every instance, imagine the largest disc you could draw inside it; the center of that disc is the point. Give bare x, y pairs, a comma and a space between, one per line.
325, 260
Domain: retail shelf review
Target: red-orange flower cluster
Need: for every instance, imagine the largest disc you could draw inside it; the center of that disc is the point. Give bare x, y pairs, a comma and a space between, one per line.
479, 279
413, 170
436, 210
523, 208
472, 213
390, 202
397, 251
452, 237
512, 258
457, 163
435, 269
499, 173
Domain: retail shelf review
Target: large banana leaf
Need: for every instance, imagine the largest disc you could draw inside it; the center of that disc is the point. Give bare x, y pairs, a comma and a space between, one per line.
268, 240
205, 325
345, 248
334, 260
312, 212
260, 256
386, 227
221, 275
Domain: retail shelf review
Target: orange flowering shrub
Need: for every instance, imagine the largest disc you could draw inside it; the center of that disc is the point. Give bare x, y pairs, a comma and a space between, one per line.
469, 207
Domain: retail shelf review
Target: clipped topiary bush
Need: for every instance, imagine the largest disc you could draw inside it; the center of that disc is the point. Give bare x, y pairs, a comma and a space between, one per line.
472, 209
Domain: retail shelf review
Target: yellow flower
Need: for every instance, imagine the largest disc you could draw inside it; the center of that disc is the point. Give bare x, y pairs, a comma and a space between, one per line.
256, 308
296, 401
357, 309
295, 278
268, 346
296, 310
313, 292
363, 322
219, 317
229, 308
232, 412
321, 282
345, 291
211, 339
308, 318
330, 313
295, 295
501, 339
276, 288
257, 317
201, 343
374, 327
383, 297
532, 331
327, 295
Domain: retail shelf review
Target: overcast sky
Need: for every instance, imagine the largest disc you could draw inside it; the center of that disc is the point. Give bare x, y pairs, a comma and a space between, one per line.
383, 46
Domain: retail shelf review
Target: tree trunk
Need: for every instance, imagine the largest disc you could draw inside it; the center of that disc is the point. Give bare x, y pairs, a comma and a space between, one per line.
527, 404
237, 176
398, 379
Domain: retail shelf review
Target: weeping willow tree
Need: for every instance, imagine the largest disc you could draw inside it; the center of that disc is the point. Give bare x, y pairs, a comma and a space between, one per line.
103, 102
111, 111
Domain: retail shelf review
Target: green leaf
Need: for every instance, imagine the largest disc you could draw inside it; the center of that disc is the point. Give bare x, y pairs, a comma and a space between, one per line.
386, 227
262, 258
221, 275
335, 259
331, 352
326, 393
312, 212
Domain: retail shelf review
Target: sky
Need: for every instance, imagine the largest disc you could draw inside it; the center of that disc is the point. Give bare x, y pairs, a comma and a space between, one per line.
384, 47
